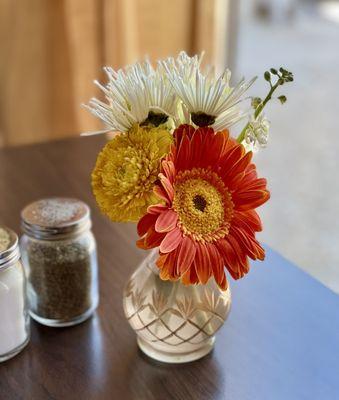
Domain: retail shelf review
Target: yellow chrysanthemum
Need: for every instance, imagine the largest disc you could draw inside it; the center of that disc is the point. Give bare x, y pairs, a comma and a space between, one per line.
126, 170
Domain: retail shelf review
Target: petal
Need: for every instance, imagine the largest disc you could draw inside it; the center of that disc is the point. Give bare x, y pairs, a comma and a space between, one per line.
169, 170
231, 158
160, 192
217, 262
248, 220
240, 166
171, 264
190, 277
235, 182
202, 263
242, 259
166, 221
255, 184
215, 149
230, 259
145, 223
171, 241
253, 220
164, 274
153, 238
229, 143
161, 260
248, 242
157, 209
141, 244
197, 149
182, 131
167, 264
250, 199
223, 284
168, 187
251, 174
186, 255
183, 154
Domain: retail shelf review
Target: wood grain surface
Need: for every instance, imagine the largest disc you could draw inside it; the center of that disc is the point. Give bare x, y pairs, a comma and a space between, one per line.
281, 340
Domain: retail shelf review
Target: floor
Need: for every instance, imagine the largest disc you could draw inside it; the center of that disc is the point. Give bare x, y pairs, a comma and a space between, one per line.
301, 161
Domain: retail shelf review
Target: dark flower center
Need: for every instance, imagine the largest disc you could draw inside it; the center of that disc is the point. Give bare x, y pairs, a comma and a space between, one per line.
199, 202
155, 119
201, 119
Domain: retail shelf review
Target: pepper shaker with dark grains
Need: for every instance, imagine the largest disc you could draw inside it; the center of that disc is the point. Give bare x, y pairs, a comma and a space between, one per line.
59, 254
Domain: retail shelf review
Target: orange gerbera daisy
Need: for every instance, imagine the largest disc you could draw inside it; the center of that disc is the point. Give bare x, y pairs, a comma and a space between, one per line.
209, 189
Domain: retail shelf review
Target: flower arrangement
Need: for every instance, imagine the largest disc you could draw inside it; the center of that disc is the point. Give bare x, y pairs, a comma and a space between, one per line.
174, 168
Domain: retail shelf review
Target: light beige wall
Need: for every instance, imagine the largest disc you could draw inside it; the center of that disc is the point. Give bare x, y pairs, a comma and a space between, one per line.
50, 52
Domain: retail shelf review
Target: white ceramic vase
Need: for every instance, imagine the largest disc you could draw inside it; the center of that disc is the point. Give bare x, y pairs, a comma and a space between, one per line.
174, 323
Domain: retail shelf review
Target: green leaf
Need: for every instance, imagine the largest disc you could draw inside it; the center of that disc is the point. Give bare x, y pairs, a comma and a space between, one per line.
267, 76
274, 71
282, 99
255, 102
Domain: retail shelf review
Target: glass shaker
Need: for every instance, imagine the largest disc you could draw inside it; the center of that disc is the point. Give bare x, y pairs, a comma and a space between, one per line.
14, 317
59, 253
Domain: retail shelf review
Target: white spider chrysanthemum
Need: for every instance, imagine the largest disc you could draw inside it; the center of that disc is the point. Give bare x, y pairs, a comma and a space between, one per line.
256, 135
209, 99
138, 94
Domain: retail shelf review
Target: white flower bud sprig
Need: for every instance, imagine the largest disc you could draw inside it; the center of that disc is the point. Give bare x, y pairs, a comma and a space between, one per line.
256, 135
256, 130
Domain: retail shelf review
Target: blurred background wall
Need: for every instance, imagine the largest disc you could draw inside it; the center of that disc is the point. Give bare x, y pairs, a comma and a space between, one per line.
51, 51
301, 161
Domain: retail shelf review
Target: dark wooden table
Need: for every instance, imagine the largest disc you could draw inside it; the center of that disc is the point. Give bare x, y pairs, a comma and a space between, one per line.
281, 340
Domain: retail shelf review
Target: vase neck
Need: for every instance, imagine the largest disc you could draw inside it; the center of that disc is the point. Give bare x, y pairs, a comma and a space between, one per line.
152, 259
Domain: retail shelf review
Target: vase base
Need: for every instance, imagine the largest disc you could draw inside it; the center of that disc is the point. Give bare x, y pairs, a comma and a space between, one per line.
175, 358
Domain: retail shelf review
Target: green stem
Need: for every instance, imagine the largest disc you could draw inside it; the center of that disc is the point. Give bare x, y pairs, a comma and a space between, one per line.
258, 111
241, 136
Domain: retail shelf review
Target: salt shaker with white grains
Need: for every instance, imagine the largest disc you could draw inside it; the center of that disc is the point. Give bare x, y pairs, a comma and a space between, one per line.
14, 317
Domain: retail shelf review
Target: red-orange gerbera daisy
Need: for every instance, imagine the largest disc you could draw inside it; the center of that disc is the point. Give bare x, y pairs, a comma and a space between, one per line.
207, 222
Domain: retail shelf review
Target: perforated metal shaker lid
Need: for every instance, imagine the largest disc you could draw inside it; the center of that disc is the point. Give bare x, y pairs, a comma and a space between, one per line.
9, 249
55, 218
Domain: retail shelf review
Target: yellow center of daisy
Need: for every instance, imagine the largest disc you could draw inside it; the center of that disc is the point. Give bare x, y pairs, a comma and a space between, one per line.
203, 203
